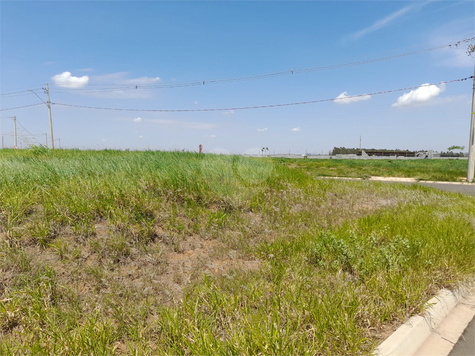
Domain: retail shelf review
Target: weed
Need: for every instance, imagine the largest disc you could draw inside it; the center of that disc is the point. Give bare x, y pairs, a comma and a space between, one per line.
180, 253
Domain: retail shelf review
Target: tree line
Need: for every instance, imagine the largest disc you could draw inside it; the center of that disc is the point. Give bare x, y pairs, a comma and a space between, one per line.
347, 150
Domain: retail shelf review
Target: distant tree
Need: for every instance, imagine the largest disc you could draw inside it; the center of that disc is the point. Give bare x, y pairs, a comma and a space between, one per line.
344, 150
451, 148
451, 154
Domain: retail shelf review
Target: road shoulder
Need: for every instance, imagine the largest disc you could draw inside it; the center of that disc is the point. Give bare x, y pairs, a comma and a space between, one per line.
436, 331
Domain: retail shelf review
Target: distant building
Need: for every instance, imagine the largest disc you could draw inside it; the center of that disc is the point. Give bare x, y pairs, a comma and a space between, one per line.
386, 153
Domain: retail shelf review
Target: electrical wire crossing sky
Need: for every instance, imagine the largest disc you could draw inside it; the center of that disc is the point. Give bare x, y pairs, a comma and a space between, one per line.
225, 59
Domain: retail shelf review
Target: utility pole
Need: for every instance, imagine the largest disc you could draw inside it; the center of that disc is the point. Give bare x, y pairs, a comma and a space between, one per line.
50, 119
360, 143
471, 144
14, 133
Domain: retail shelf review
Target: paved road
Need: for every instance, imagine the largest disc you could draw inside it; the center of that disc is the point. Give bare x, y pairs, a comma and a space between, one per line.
462, 188
466, 344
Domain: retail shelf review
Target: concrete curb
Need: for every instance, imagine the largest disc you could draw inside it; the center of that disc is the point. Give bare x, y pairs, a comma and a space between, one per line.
410, 336
399, 180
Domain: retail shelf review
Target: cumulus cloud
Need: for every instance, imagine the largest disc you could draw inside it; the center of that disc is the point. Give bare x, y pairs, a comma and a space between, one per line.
66, 80
424, 93
138, 119
264, 129
140, 136
296, 129
344, 98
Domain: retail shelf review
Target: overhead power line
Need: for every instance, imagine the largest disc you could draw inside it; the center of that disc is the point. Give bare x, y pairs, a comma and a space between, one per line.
267, 75
21, 107
29, 133
245, 78
259, 106
18, 92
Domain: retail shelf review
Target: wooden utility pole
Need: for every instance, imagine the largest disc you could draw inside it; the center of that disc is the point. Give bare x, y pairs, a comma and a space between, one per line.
50, 119
14, 133
471, 143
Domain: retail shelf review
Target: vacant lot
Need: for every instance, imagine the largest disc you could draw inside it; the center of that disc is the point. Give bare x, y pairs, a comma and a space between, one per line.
108, 252
449, 170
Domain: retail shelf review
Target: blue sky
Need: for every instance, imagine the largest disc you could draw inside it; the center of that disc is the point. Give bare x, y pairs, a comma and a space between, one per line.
93, 53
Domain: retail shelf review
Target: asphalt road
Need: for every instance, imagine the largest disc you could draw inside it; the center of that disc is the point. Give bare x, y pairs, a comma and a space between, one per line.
462, 188
465, 346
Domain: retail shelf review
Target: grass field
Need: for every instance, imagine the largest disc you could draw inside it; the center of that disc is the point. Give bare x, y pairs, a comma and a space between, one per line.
450, 170
110, 252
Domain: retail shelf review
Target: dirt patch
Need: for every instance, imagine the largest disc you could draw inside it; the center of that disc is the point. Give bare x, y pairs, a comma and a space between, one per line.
200, 256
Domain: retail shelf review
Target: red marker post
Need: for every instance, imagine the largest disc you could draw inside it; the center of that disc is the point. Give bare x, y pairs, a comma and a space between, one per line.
201, 148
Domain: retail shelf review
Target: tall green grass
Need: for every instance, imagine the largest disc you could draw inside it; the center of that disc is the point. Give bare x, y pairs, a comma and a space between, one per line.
450, 170
89, 242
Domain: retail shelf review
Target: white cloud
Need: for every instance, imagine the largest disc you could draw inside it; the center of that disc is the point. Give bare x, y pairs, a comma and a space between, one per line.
86, 70
196, 102
296, 129
118, 93
210, 136
451, 32
138, 119
119, 86
261, 130
104, 140
385, 21
343, 98
184, 124
424, 93
140, 136
66, 80
382, 22
230, 112
219, 151
119, 78
458, 58
141, 81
